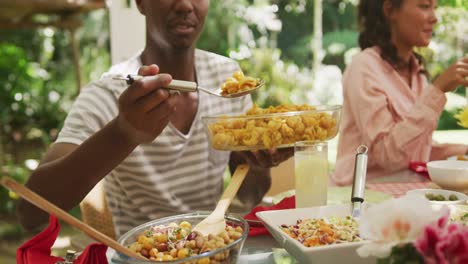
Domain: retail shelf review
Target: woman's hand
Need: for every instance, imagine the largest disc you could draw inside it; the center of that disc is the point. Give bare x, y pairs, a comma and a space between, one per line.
267, 158
145, 107
453, 76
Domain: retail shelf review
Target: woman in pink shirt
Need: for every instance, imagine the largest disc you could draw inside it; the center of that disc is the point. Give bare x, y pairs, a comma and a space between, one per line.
388, 103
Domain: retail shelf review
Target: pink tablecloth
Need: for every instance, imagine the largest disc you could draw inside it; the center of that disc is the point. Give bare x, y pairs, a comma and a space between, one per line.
397, 189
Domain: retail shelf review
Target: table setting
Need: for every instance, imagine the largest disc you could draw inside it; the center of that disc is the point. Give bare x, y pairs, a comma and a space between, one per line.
259, 246
313, 223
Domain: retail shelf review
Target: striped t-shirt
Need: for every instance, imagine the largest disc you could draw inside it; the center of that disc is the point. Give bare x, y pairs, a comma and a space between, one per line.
176, 173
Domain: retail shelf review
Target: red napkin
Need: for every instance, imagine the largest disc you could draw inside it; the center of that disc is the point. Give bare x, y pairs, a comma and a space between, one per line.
38, 249
420, 168
286, 203
94, 253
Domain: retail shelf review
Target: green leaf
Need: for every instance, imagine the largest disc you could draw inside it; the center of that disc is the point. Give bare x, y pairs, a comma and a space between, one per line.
402, 254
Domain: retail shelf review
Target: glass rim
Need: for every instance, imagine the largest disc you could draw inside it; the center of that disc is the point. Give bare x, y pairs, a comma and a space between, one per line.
318, 109
306, 143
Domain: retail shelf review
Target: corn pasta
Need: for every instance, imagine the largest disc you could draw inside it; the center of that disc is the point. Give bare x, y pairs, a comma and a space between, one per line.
237, 83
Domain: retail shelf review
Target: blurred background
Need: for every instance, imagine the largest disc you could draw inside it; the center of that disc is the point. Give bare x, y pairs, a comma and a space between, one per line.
50, 49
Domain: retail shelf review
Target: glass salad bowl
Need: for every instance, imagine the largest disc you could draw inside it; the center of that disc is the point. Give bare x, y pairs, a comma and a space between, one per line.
172, 238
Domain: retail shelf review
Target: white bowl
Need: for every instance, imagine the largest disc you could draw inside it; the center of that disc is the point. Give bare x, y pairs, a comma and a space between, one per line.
335, 253
462, 198
449, 174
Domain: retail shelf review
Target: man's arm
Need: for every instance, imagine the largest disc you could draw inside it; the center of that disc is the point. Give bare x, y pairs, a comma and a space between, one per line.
68, 172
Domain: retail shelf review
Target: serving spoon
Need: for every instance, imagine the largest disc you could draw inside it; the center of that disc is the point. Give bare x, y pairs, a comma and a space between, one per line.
359, 180
186, 86
215, 224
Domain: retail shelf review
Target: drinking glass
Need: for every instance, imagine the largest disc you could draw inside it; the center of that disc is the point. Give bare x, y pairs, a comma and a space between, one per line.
311, 173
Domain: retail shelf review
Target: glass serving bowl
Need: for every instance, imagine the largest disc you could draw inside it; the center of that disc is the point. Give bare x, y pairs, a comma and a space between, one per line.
277, 130
227, 254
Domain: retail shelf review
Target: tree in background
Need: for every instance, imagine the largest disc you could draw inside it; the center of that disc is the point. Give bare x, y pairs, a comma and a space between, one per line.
38, 85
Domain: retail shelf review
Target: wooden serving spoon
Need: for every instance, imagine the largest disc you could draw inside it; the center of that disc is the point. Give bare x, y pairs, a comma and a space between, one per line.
50, 208
215, 223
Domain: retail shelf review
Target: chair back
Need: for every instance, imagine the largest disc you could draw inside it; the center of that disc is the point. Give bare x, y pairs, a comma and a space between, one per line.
95, 212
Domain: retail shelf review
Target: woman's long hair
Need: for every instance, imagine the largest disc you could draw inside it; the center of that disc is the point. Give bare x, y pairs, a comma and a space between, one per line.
375, 31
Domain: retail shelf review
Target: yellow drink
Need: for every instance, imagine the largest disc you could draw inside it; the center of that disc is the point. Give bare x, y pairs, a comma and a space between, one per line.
311, 174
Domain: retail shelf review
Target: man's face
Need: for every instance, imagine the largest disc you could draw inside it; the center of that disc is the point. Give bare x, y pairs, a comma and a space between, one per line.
175, 24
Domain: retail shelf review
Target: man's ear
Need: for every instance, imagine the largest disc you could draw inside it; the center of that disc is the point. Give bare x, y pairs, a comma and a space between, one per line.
140, 6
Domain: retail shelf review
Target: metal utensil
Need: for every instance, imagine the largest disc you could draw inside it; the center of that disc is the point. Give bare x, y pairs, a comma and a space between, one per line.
359, 182
185, 86
69, 258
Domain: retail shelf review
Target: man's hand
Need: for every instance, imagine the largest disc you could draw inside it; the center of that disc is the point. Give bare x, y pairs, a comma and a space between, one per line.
258, 181
267, 158
145, 107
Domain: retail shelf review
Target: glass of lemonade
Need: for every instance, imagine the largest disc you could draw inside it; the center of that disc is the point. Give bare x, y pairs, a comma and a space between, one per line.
311, 173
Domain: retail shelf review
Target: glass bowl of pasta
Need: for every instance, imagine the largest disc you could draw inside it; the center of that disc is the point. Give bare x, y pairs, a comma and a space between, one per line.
171, 240
273, 127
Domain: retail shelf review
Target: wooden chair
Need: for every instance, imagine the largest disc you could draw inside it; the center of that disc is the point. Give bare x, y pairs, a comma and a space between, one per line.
94, 211
282, 178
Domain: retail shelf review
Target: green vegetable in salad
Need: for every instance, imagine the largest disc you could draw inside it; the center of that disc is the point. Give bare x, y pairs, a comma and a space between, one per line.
440, 197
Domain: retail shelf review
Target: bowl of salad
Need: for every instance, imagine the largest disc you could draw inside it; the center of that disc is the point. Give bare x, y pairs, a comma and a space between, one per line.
440, 196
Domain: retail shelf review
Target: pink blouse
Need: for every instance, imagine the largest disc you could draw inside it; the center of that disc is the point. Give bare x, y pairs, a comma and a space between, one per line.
394, 120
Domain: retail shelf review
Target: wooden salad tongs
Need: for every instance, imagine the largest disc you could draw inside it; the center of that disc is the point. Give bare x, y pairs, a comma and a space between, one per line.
50, 208
215, 222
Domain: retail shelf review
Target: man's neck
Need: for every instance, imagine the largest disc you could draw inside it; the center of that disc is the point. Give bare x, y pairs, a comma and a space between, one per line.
180, 64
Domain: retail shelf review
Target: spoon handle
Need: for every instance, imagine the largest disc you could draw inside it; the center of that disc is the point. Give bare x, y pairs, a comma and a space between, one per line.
179, 85
183, 86
236, 181
230, 191
50, 208
359, 182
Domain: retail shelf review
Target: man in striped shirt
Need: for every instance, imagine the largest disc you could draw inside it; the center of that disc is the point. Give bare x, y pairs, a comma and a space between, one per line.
149, 145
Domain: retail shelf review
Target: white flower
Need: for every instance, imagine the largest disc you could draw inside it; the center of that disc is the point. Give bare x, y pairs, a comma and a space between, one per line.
395, 221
